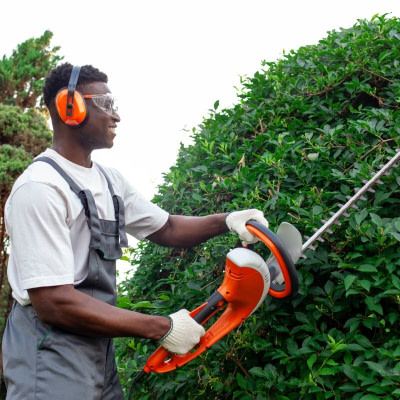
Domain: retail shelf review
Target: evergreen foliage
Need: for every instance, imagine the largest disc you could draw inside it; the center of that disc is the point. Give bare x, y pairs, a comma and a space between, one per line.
305, 132
22, 75
24, 132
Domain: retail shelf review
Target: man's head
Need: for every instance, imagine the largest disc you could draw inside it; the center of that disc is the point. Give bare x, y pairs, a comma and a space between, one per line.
60, 76
89, 117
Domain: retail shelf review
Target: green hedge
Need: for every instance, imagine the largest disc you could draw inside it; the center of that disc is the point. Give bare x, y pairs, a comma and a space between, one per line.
305, 132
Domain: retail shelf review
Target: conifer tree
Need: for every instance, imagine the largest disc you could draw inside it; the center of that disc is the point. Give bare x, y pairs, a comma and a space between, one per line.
24, 131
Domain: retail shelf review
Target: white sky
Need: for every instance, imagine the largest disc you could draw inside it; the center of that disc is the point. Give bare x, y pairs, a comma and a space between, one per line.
168, 61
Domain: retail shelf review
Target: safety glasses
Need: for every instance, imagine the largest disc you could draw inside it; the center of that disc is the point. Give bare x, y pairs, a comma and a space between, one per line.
105, 102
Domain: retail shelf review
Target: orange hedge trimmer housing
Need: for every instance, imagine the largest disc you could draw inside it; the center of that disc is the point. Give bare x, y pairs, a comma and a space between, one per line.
246, 283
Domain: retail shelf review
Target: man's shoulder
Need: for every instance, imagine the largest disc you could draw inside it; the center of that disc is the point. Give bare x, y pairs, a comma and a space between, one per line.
40, 176
40, 172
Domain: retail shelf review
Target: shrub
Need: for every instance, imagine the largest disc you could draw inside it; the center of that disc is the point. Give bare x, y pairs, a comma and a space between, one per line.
305, 132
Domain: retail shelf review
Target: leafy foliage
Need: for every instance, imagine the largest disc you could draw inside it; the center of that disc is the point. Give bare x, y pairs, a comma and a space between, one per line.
22, 75
305, 132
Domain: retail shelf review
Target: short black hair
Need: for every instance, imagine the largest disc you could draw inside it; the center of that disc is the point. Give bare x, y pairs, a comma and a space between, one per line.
59, 78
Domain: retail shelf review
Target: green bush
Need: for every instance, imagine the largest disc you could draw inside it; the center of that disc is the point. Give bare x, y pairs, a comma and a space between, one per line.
304, 134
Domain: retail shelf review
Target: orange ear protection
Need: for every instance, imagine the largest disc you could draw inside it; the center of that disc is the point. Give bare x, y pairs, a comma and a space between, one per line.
70, 103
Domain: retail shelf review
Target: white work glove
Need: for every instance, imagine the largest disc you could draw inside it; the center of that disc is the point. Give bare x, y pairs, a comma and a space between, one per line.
184, 334
236, 222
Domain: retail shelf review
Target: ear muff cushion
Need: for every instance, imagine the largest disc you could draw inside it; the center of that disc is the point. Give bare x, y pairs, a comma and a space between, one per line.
79, 109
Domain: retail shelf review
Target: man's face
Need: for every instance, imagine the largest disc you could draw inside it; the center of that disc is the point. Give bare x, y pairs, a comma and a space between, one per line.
98, 132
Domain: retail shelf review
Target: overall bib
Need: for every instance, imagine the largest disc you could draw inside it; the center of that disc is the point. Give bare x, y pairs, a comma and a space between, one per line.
42, 362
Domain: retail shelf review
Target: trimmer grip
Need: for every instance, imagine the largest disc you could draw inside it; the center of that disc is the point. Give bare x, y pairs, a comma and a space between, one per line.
284, 259
213, 304
163, 361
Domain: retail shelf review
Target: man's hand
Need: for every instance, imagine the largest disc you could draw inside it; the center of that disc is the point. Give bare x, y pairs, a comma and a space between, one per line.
184, 334
236, 222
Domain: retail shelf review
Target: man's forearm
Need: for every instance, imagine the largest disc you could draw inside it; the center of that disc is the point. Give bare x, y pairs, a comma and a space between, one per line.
183, 231
71, 310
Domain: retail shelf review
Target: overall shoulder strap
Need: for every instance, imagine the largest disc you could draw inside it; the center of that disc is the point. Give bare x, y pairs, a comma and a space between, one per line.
109, 184
119, 209
74, 187
86, 199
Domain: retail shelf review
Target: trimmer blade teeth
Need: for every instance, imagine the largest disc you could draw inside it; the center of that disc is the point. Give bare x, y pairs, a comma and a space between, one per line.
369, 189
359, 195
336, 222
353, 205
320, 239
345, 214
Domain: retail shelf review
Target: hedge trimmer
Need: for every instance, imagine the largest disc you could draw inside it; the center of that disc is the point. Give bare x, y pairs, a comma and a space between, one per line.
249, 279
288, 236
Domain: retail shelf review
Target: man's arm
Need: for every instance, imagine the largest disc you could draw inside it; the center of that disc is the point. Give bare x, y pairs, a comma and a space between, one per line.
71, 310
182, 231
67, 308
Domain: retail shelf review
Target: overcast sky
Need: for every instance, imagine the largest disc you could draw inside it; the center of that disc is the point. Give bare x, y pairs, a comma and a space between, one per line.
168, 61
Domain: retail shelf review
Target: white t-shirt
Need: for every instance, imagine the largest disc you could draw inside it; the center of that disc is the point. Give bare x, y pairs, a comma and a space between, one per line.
49, 235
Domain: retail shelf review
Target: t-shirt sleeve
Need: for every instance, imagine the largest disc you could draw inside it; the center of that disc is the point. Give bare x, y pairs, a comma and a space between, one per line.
40, 236
142, 217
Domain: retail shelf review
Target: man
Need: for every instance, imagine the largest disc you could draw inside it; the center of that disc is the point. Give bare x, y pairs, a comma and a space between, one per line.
66, 218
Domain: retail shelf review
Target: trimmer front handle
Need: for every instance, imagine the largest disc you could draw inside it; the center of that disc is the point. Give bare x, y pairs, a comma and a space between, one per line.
283, 258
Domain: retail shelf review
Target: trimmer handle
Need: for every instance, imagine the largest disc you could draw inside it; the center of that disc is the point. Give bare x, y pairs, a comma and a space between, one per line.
214, 303
284, 259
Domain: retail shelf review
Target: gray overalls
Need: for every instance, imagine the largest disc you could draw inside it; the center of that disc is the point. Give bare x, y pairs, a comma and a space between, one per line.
42, 362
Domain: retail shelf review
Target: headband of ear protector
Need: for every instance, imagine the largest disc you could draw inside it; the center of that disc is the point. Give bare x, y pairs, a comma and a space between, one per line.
71, 106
